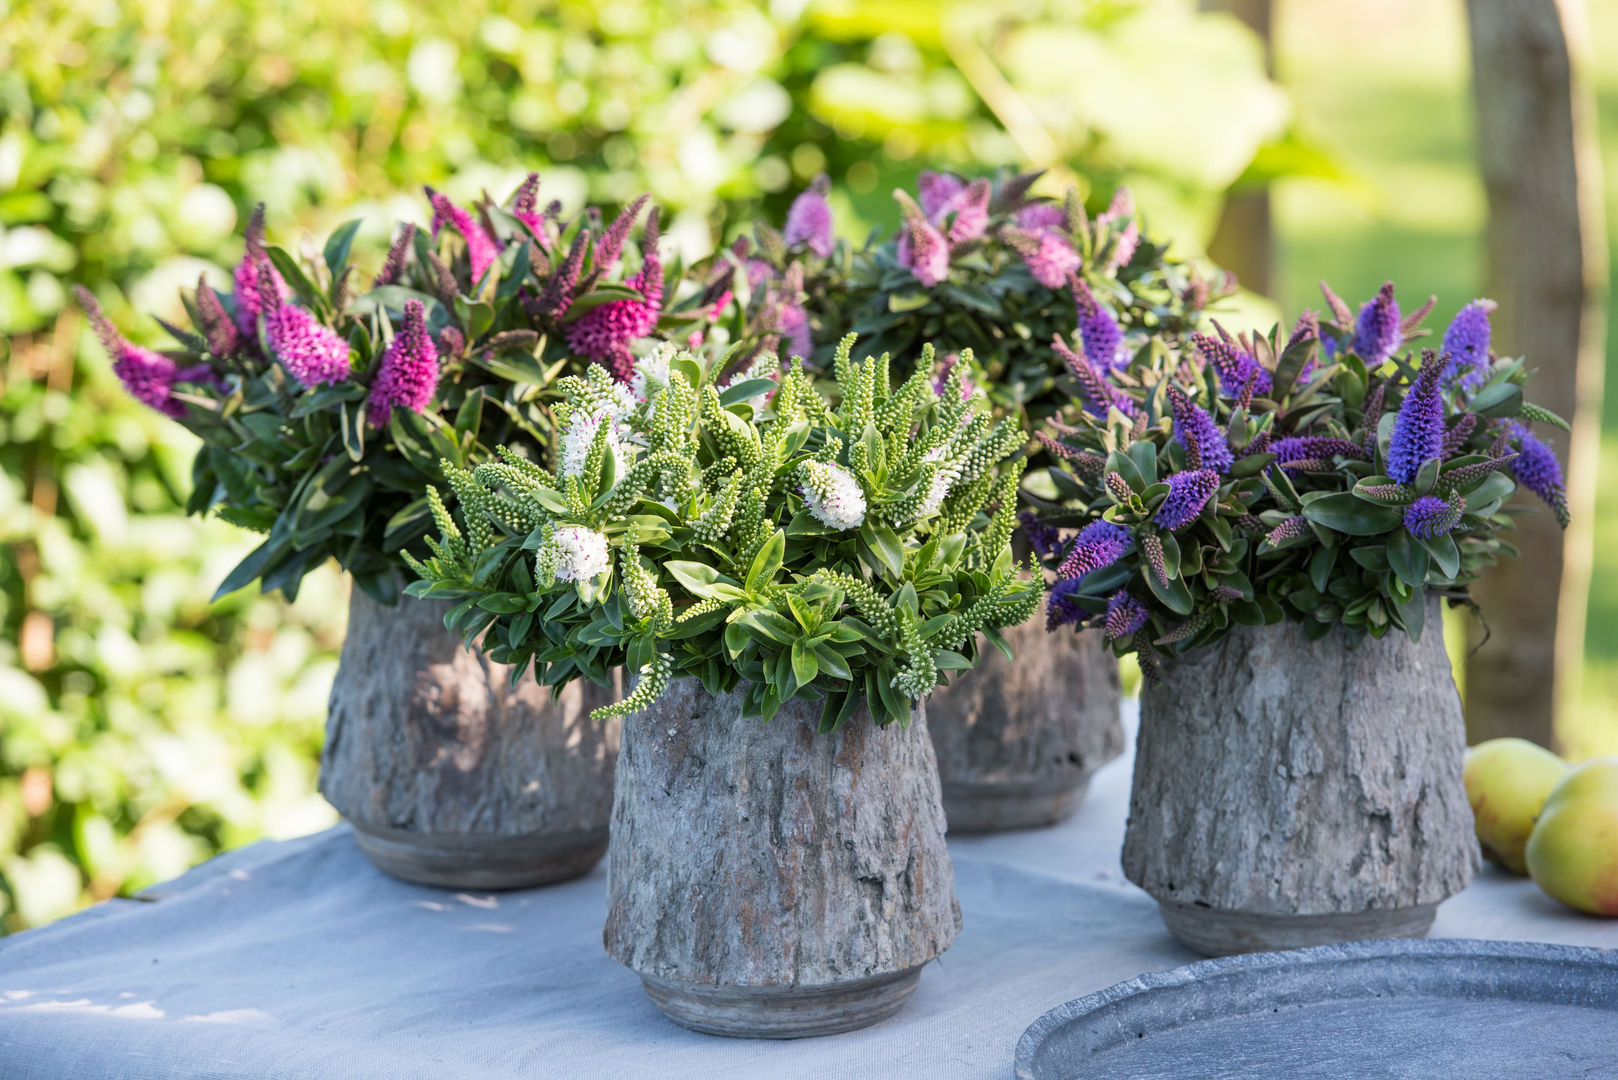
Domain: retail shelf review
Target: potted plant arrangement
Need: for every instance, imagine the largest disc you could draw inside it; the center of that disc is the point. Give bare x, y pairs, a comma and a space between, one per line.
997, 272
787, 581
323, 409
1270, 526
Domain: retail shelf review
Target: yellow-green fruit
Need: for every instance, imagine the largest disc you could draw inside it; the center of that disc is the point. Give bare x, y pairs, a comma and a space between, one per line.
1507, 781
1573, 850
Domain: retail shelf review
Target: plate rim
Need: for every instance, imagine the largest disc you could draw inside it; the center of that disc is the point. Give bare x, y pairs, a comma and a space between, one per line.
1377, 948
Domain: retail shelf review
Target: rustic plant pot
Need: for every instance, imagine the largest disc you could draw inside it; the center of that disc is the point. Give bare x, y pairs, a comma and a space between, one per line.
1291, 793
1017, 740
766, 881
451, 776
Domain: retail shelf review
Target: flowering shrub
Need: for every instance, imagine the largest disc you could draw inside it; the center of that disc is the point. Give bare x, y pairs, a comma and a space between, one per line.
1326, 479
847, 554
983, 265
323, 410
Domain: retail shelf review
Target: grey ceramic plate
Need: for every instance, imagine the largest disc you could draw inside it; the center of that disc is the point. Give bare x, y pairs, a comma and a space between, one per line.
1411, 1010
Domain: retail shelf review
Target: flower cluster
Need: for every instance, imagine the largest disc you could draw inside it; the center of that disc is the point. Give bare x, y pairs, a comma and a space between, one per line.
1341, 494
980, 262
323, 409
801, 549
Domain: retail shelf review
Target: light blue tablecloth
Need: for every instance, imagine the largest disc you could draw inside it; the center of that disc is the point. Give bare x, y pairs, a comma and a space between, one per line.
297, 960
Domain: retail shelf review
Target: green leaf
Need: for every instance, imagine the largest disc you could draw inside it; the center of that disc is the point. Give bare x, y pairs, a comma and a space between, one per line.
884, 544
1320, 564
772, 624
470, 414
353, 421
767, 562
1427, 476
1125, 467
338, 245
1143, 453
832, 662
737, 393
1175, 596
700, 579
1345, 513
804, 665
1498, 486
1445, 554
1501, 399
1293, 360
1407, 558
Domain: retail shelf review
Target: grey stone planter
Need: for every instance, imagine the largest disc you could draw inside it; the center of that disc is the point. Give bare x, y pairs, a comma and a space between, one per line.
766, 881
1291, 793
451, 776
1018, 739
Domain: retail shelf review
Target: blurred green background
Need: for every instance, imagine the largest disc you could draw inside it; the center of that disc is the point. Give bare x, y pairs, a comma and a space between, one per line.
143, 729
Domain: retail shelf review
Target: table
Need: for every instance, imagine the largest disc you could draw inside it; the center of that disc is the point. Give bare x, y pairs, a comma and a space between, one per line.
297, 960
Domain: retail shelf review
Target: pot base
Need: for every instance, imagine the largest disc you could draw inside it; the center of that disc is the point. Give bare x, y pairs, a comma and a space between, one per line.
470, 861
983, 808
1216, 932
782, 1012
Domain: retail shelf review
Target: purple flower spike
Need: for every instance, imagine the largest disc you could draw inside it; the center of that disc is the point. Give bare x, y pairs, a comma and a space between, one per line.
1301, 448
937, 193
216, 326
1377, 333
604, 333
408, 373
1099, 395
1048, 256
1236, 369
1430, 517
1125, 615
1466, 344
481, 249
1418, 431
525, 208
1103, 340
1042, 217
809, 220
971, 209
1537, 469
611, 247
1043, 538
1060, 607
1189, 492
925, 251
1099, 544
1205, 445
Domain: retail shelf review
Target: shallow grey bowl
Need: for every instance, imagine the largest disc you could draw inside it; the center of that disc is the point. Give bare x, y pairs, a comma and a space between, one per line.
1410, 1010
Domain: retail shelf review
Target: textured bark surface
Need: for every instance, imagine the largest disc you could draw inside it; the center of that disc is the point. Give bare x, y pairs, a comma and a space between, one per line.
1031, 729
1547, 269
428, 738
1278, 775
769, 856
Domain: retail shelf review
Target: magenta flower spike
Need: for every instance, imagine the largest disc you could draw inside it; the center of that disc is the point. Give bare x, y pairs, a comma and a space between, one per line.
603, 334
148, 376
809, 220
937, 193
309, 349
408, 372
611, 246
481, 249
971, 208
249, 292
525, 208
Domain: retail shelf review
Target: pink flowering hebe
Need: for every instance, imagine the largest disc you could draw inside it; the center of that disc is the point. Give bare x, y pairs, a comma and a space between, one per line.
604, 333
408, 373
809, 220
250, 290
309, 349
148, 376
481, 249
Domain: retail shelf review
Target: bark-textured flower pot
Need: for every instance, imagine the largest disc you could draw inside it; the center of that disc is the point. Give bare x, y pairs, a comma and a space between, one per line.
1291, 793
450, 775
1018, 739
767, 881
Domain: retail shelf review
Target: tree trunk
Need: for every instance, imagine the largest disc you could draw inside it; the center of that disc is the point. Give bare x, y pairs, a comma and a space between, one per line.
1290, 792
1018, 739
1547, 265
769, 881
451, 776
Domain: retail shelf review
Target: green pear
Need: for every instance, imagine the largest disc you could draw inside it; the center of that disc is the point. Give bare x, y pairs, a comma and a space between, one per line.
1507, 781
1573, 850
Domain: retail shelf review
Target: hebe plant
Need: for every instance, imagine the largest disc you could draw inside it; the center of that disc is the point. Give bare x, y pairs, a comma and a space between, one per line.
845, 553
323, 405
1330, 478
